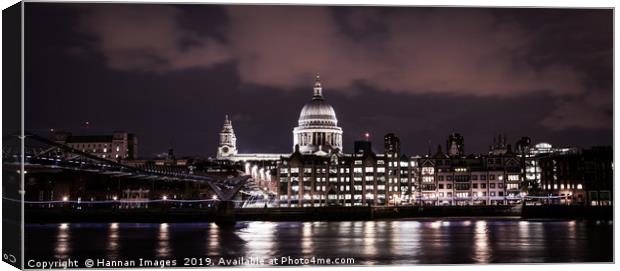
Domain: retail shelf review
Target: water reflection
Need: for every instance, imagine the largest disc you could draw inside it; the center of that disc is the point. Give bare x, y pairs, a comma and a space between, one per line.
112, 245
260, 243
163, 241
369, 242
63, 240
482, 253
306, 239
369, 238
213, 240
572, 237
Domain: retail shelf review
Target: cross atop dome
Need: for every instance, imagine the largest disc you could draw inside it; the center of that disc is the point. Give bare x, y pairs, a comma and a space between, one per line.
318, 90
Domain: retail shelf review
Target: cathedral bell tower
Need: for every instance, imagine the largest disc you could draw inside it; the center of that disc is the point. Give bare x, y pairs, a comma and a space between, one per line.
228, 141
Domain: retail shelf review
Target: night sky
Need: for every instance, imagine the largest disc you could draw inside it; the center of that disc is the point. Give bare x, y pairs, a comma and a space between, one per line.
169, 73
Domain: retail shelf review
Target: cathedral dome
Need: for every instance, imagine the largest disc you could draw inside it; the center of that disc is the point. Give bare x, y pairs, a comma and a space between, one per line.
317, 112
318, 132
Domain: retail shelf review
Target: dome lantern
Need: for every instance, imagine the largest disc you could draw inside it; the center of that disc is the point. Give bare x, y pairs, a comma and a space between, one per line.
318, 90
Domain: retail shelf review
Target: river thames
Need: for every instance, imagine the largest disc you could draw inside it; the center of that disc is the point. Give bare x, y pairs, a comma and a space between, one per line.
432, 241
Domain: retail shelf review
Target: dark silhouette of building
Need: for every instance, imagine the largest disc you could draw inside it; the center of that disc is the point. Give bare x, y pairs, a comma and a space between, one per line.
582, 178
455, 145
362, 146
391, 144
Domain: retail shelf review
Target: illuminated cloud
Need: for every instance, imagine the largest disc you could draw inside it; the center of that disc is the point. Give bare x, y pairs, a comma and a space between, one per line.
148, 38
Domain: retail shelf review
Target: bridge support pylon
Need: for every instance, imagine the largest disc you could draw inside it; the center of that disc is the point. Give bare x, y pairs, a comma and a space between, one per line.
225, 214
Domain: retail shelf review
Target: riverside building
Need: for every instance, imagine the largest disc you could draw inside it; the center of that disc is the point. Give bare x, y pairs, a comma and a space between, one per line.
455, 179
363, 178
583, 177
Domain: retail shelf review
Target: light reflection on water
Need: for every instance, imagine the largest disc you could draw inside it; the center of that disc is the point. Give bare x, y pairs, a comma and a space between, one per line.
112, 245
63, 241
482, 254
163, 244
369, 242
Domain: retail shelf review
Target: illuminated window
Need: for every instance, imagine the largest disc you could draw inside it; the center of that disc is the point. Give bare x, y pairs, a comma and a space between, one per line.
428, 179
462, 195
428, 170
513, 177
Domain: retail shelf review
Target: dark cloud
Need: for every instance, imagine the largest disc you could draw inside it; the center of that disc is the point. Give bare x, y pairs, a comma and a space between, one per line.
469, 52
421, 72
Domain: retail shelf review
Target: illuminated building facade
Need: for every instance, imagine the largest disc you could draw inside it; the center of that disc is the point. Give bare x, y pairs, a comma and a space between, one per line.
359, 179
530, 158
228, 141
117, 146
491, 179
